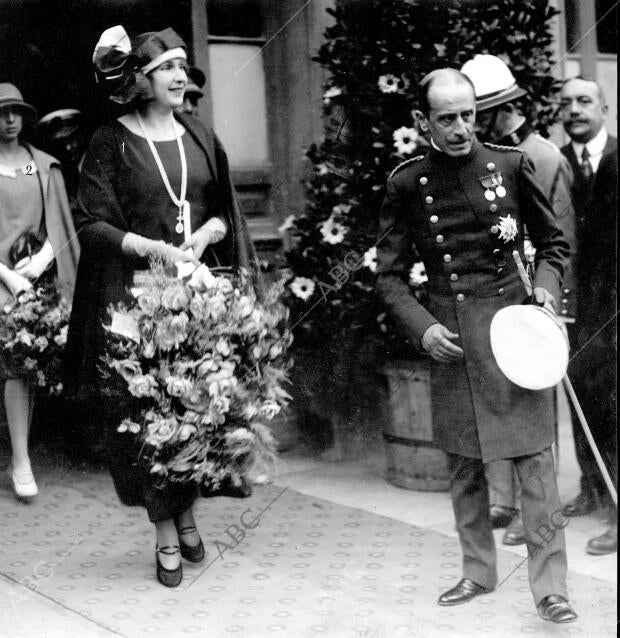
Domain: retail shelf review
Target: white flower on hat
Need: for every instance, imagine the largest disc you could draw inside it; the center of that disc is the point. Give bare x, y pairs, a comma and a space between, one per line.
417, 274
332, 92
370, 259
507, 228
302, 287
388, 83
405, 140
333, 232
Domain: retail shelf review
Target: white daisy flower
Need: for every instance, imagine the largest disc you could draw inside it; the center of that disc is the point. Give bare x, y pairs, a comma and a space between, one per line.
405, 140
370, 258
302, 287
341, 209
507, 228
417, 274
388, 83
333, 232
287, 224
332, 92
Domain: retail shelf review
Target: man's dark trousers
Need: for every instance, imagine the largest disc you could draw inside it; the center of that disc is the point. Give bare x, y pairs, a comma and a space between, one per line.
542, 518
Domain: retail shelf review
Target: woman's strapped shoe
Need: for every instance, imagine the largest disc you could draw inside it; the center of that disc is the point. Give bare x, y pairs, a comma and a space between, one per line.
24, 485
556, 609
192, 553
168, 577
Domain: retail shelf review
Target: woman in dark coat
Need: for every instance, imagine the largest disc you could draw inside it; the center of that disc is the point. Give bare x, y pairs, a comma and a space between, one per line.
139, 174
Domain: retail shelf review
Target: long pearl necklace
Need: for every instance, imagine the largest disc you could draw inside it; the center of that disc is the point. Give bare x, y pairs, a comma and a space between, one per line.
183, 218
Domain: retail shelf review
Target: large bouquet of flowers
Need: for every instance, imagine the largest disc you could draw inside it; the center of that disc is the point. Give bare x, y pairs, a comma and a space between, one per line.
204, 359
33, 334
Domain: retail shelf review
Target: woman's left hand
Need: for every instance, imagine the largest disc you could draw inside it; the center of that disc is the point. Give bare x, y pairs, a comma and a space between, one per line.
33, 267
210, 233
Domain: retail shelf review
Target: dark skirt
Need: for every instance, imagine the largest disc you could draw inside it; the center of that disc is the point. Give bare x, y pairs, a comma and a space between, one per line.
133, 482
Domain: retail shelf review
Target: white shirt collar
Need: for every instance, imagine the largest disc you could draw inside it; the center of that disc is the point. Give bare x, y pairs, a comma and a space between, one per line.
595, 146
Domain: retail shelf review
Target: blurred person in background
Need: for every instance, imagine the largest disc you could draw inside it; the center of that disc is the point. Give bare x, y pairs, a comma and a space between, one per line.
34, 219
593, 156
63, 134
193, 91
500, 119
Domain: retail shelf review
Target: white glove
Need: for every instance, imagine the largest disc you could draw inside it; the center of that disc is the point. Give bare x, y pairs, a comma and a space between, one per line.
33, 267
136, 245
210, 233
14, 282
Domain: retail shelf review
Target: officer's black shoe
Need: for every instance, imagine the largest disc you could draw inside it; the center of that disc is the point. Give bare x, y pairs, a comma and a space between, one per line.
556, 609
606, 543
501, 515
584, 503
515, 532
462, 592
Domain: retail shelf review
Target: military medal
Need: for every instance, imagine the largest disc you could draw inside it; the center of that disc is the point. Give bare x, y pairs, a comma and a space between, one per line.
508, 229
492, 185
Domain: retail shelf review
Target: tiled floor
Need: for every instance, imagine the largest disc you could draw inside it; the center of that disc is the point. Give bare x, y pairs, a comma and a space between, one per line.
336, 551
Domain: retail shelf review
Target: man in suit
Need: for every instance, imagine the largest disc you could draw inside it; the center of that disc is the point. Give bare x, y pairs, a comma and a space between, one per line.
500, 119
464, 205
593, 155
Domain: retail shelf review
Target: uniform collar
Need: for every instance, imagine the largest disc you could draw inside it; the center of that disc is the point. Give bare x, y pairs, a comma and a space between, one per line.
517, 136
443, 158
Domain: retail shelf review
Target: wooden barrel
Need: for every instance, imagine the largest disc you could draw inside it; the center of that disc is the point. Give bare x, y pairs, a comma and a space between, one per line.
413, 460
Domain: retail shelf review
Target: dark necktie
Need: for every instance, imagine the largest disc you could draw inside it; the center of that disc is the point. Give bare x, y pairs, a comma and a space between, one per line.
586, 167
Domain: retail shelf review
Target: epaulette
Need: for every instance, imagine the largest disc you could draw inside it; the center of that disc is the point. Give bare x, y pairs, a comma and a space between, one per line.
499, 147
540, 138
402, 165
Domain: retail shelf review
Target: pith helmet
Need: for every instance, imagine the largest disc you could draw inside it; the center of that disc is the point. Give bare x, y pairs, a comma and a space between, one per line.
493, 81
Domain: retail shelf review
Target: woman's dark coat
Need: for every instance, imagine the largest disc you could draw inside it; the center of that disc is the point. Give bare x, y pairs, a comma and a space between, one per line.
104, 273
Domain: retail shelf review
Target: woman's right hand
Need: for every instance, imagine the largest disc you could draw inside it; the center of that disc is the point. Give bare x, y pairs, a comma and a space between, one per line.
14, 281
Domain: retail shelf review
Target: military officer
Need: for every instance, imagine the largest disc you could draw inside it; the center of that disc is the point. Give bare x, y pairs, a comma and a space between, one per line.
464, 205
500, 119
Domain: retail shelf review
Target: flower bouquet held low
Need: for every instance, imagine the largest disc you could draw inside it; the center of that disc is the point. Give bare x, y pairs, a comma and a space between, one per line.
204, 360
33, 334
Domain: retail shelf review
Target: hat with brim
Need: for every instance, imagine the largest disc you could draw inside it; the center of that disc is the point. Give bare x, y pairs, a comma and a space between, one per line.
61, 123
11, 96
193, 89
195, 81
530, 346
496, 98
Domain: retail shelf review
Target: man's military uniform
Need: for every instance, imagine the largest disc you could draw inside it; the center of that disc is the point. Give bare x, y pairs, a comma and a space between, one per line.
465, 216
554, 175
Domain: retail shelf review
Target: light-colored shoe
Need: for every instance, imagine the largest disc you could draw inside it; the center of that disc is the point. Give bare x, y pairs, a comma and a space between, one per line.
24, 485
